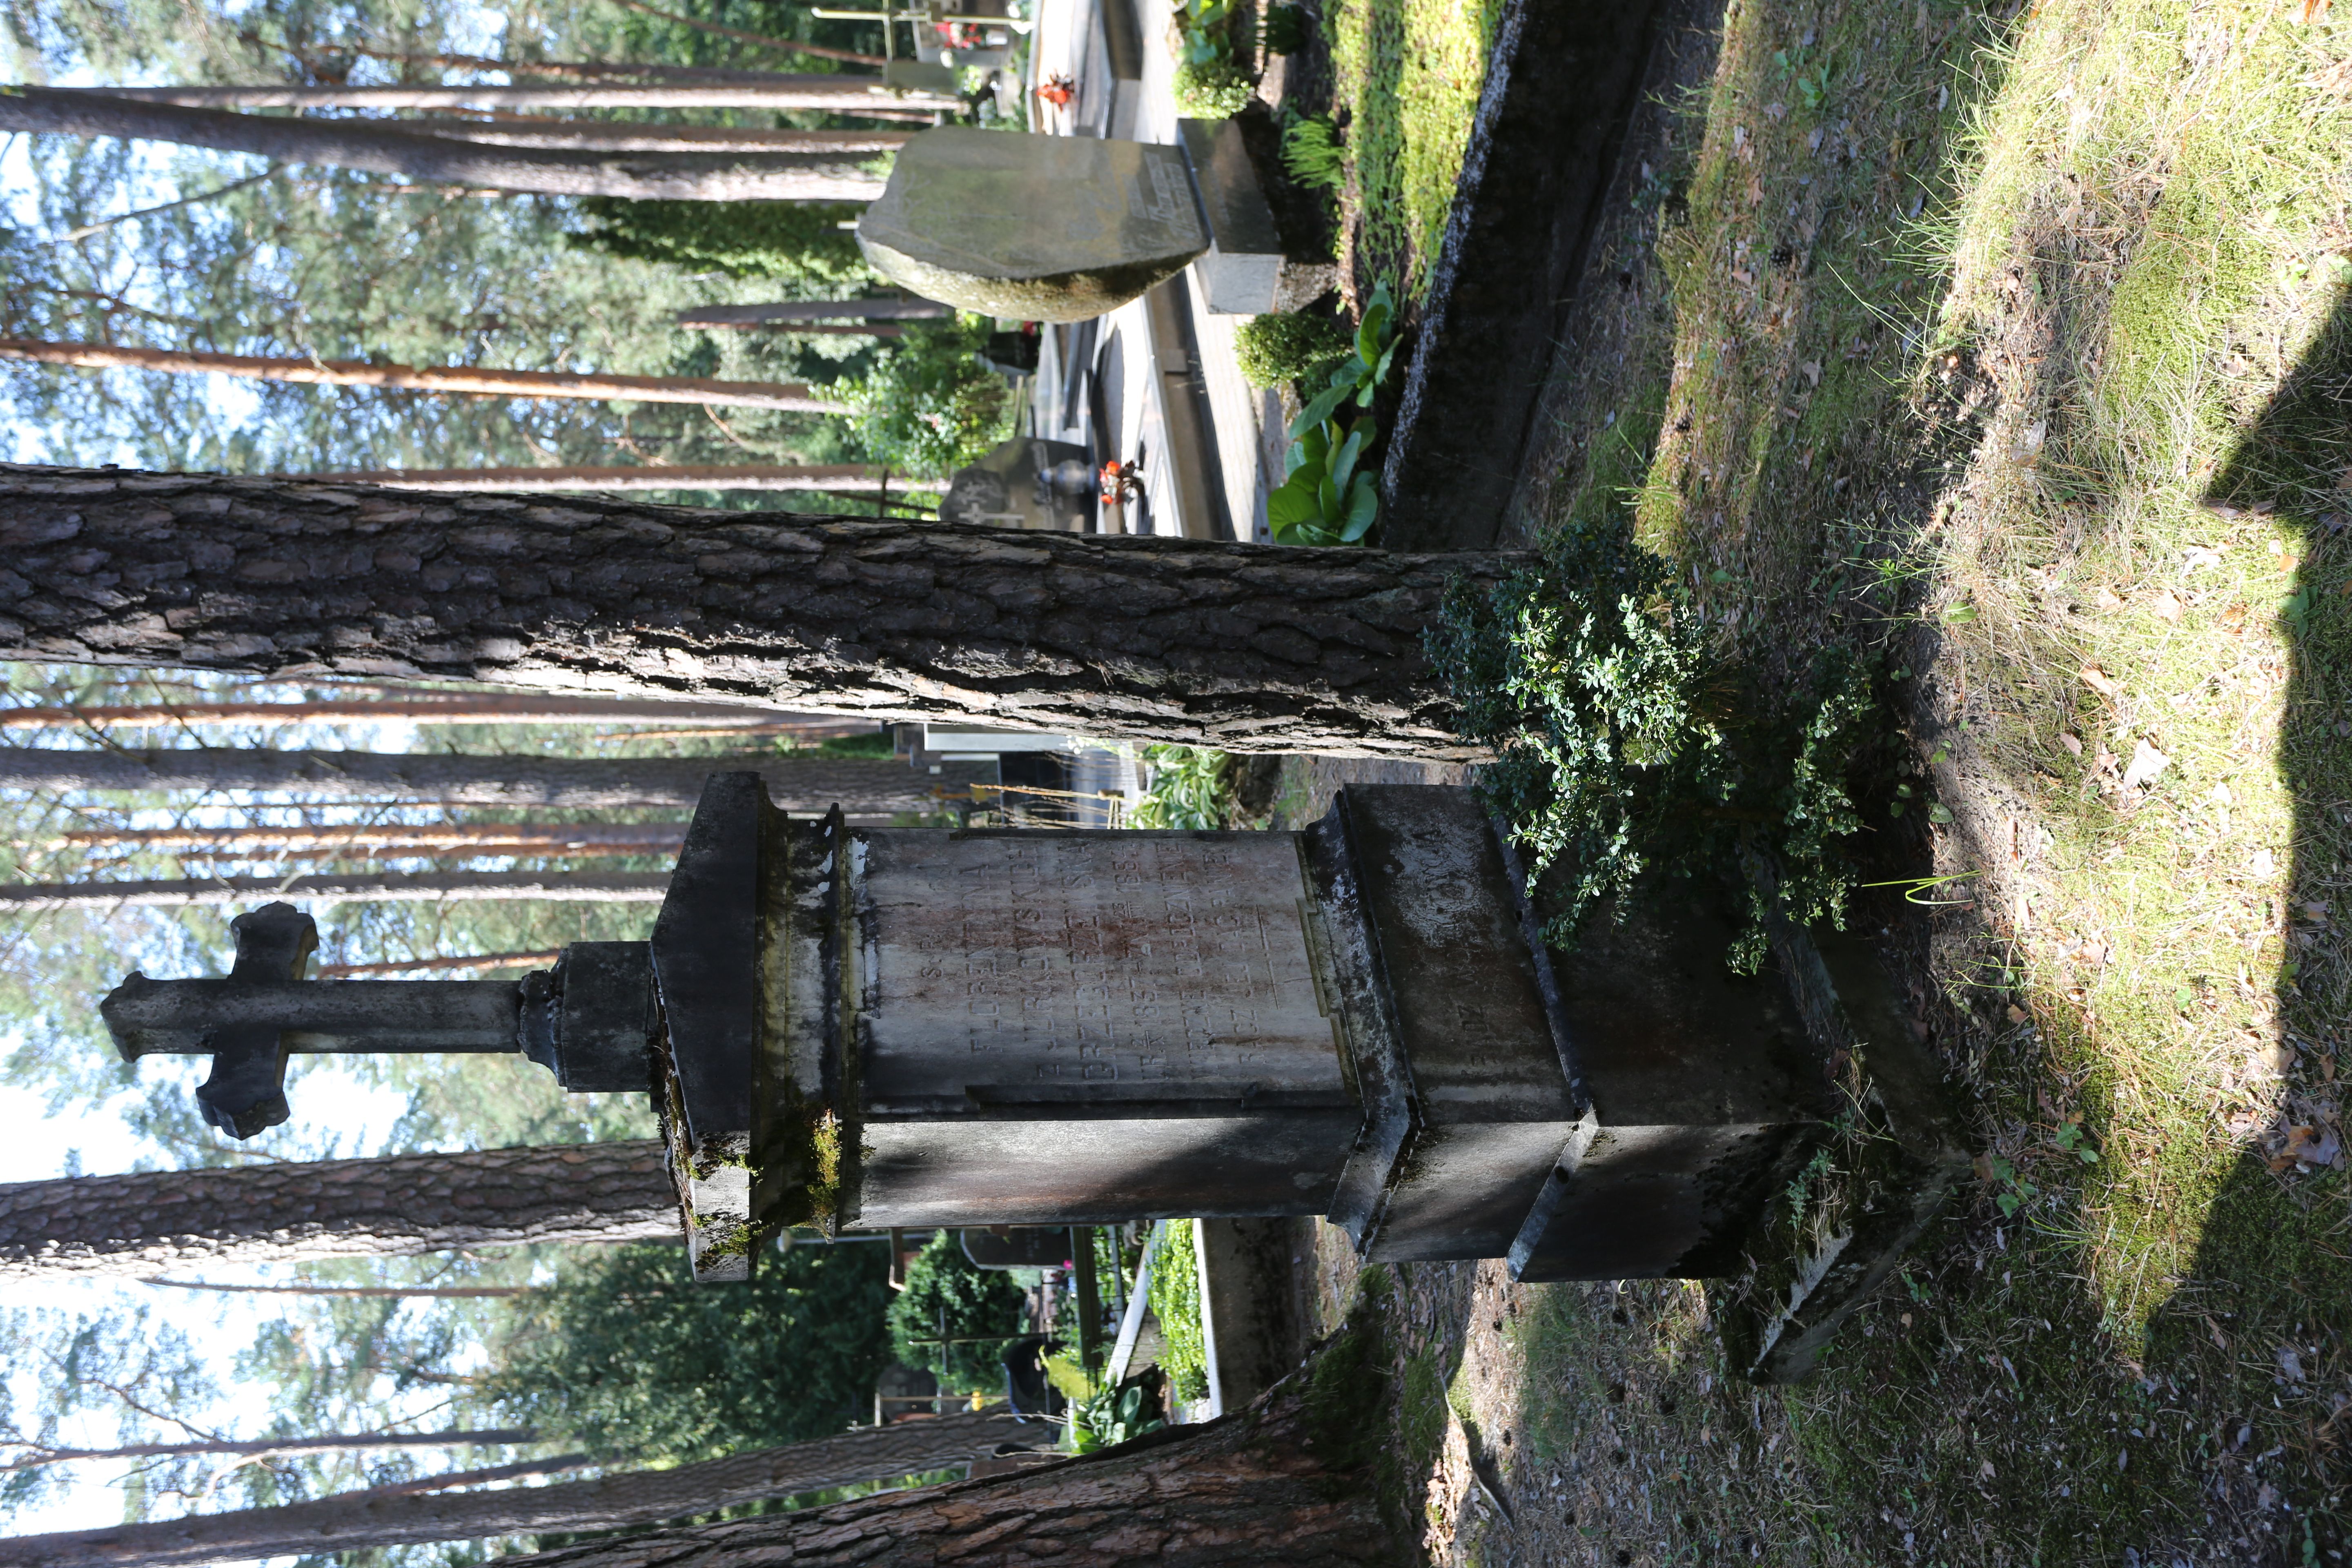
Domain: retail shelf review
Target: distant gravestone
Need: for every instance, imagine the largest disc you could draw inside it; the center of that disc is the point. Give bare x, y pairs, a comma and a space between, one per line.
1017, 1246
1032, 228
1025, 482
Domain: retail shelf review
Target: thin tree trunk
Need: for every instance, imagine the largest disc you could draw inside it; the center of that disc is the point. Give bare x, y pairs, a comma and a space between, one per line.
808, 329
449, 1481
814, 310
615, 136
457, 707
831, 90
853, 478
358, 888
266, 1447
399, 1206
389, 1292
597, 70
538, 959
1244, 647
479, 381
426, 838
876, 787
382, 147
763, 39
355, 1521
1288, 1484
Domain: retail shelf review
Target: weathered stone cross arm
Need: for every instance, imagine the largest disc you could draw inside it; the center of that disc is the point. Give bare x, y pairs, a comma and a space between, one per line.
264, 1011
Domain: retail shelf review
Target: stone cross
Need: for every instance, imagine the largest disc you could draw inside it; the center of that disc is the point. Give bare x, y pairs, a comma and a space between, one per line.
589, 1020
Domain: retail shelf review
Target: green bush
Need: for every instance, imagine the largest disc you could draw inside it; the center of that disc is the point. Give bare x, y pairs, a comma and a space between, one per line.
927, 408
1176, 1303
1288, 347
797, 241
949, 1297
1628, 745
1213, 89
627, 1354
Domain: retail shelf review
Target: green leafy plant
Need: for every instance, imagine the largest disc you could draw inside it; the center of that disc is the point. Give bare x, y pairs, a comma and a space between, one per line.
1110, 1416
1328, 496
1313, 154
797, 241
1627, 746
1287, 28
1189, 789
1288, 346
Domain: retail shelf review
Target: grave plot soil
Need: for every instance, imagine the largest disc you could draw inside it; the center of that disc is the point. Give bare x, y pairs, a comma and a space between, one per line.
2013, 347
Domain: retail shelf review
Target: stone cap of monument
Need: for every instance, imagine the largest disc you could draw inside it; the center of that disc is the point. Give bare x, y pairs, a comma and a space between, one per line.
1034, 229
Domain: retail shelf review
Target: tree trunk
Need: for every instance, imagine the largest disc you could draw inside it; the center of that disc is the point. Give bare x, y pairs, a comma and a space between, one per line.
382, 147
782, 396
599, 71
851, 478
455, 708
762, 39
388, 1292
831, 91
878, 787
614, 136
1284, 1485
1248, 648
266, 1447
396, 1206
359, 887
359, 1520
566, 839
814, 310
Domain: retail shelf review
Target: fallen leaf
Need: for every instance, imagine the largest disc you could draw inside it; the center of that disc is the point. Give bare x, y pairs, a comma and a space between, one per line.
2105, 598
1986, 1470
2147, 764
2264, 863
2312, 10
1738, 139
1982, 1166
2018, 1015
2233, 619
2072, 742
2097, 679
1776, 111
1812, 371
2166, 606
2105, 763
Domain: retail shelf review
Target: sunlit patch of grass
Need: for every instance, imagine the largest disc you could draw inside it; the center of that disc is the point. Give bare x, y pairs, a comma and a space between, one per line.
1407, 74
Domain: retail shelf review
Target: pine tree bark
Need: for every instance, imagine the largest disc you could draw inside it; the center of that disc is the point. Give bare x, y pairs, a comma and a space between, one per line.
834, 92
355, 888
853, 479
355, 1521
564, 839
879, 787
383, 147
399, 1206
617, 136
1276, 1487
454, 708
802, 310
1246, 648
261, 1448
474, 381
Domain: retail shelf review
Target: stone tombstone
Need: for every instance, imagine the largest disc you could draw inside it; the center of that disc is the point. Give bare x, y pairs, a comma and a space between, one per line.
882, 1027
1018, 1246
1027, 482
1032, 228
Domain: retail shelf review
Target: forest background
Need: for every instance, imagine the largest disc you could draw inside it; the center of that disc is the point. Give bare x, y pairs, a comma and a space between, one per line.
335, 263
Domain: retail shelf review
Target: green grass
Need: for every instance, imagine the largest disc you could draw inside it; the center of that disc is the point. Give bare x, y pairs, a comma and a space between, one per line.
1982, 342
1407, 75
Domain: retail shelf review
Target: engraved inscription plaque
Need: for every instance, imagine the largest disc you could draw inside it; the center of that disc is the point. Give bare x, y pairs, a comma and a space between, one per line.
1108, 968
